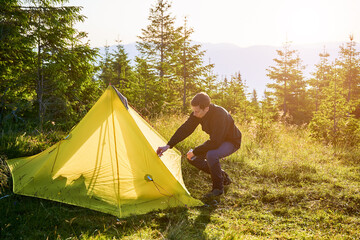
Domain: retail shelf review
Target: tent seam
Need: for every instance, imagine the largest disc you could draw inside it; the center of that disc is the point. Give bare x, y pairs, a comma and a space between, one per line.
57, 152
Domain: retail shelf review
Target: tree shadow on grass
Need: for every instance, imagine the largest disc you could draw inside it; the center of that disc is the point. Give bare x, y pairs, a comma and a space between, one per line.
33, 218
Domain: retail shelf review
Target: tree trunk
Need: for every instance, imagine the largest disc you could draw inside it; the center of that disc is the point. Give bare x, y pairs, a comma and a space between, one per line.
40, 85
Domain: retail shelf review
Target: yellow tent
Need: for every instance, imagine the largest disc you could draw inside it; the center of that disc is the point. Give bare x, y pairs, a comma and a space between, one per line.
107, 163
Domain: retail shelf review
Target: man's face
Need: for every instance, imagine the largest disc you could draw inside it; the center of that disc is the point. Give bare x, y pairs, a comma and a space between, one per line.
198, 112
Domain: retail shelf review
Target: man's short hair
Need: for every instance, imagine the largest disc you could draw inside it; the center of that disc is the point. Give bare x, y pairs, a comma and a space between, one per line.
201, 99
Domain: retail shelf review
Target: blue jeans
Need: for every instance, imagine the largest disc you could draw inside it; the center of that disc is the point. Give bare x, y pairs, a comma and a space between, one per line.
210, 163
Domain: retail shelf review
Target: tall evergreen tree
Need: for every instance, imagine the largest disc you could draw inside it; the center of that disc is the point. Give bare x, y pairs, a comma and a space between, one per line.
349, 63
209, 82
254, 101
60, 62
264, 117
106, 73
192, 69
299, 108
222, 92
57, 43
150, 98
268, 106
238, 95
332, 122
16, 58
116, 69
123, 75
319, 80
234, 97
289, 87
158, 44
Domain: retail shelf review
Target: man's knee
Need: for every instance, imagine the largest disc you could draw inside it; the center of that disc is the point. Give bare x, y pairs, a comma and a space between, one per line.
212, 157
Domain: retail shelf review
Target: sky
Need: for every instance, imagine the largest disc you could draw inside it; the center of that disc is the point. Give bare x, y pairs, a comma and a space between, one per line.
244, 23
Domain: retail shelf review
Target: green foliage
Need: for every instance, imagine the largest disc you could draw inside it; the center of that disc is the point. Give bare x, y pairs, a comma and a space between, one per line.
335, 122
233, 95
176, 64
320, 80
48, 76
5, 177
45, 68
158, 46
209, 82
337, 128
189, 67
13, 144
349, 61
115, 69
16, 57
105, 72
149, 99
262, 123
289, 88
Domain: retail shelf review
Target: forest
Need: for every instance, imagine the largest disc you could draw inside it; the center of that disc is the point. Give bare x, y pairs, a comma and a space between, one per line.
50, 78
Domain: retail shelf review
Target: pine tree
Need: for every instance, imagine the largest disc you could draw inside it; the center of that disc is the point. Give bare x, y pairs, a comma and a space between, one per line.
106, 74
209, 82
223, 94
264, 118
299, 107
60, 62
320, 79
115, 69
332, 122
349, 62
16, 57
158, 44
335, 121
268, 106
80, 89
233, 96
254, 101
191, 70
289, 87
123, 76
149, 99
237, 95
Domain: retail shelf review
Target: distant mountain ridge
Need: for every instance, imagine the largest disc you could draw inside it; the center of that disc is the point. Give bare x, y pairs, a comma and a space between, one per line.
253, 61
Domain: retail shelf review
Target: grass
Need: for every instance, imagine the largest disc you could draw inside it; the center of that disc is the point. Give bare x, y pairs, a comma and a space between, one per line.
286, 186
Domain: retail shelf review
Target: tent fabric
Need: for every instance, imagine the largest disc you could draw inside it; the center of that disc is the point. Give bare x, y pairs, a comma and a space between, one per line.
107, 163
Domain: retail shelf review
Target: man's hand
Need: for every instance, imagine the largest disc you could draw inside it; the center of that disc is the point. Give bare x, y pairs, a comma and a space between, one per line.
161, 150
190, 154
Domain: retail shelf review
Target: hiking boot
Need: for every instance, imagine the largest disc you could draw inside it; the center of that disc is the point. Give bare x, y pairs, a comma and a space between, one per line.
214, 193
226, 178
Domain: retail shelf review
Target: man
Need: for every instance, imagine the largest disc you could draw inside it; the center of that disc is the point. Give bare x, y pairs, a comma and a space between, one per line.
225, 139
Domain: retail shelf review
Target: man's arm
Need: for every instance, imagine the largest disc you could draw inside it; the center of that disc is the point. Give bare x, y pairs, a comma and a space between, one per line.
184, 130
181, 133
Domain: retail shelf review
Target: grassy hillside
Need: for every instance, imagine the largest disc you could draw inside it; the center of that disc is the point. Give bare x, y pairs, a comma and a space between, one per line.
286, 186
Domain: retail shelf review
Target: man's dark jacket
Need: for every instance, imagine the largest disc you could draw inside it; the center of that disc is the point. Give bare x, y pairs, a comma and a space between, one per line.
217, 122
